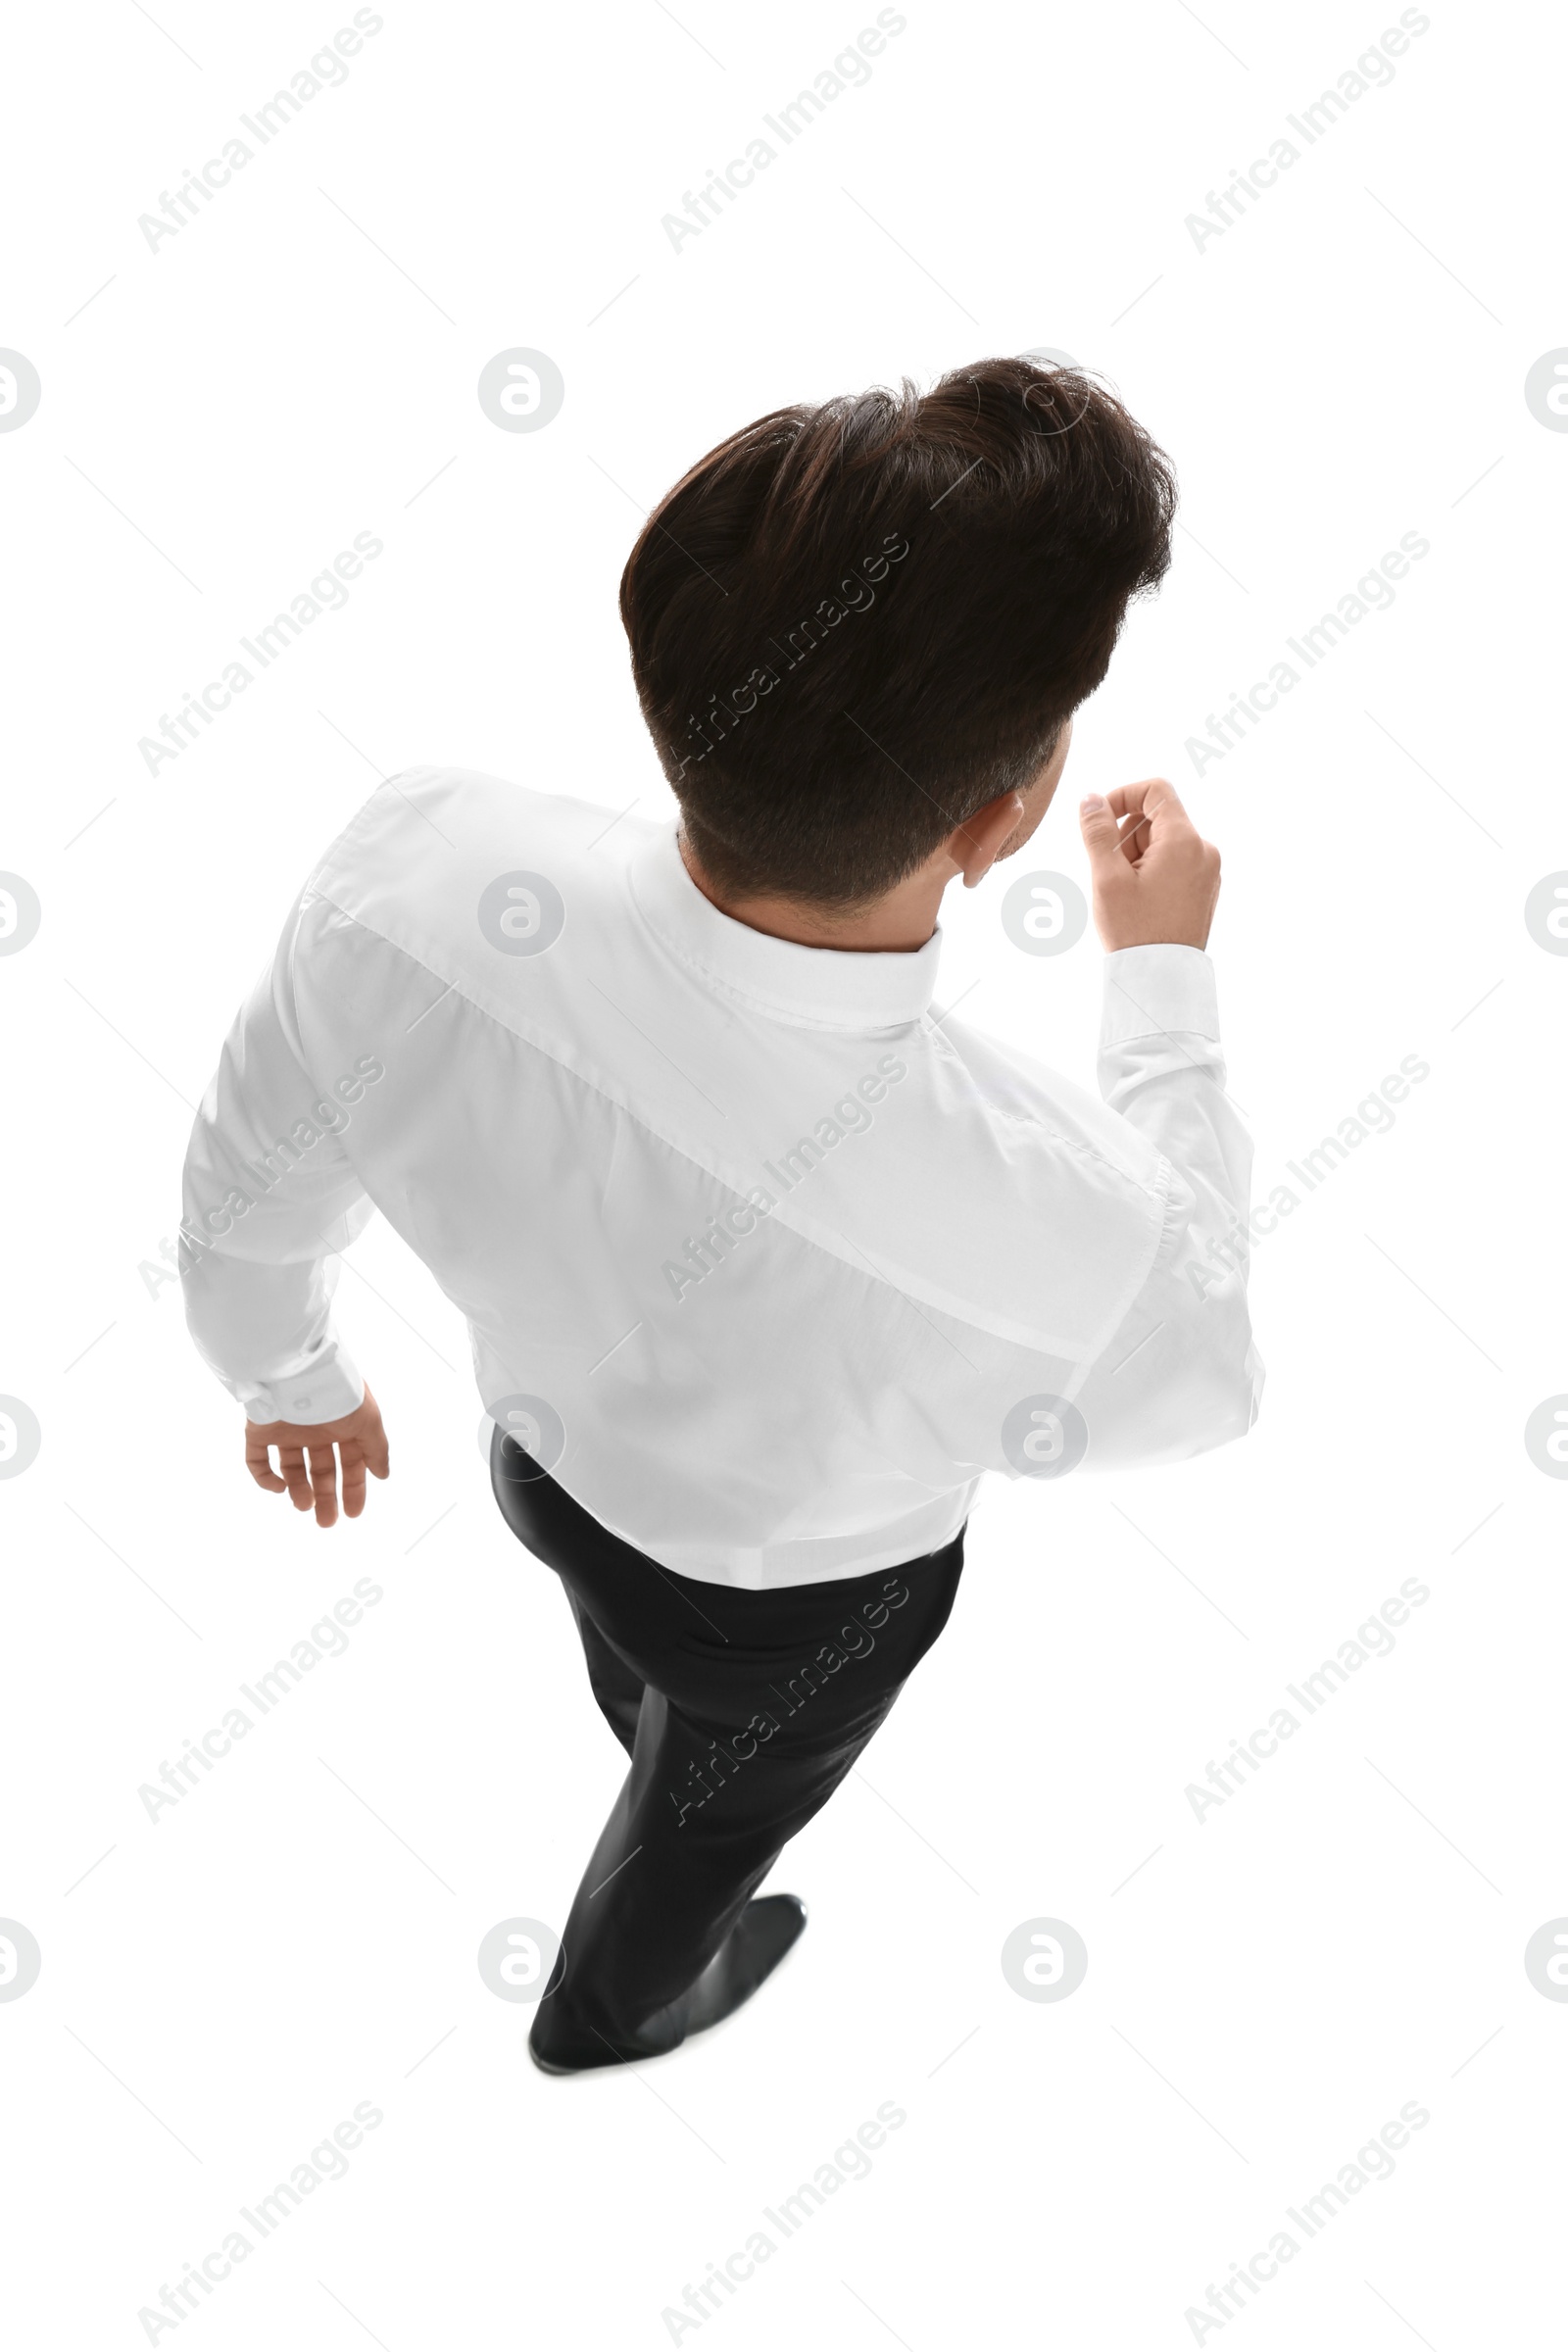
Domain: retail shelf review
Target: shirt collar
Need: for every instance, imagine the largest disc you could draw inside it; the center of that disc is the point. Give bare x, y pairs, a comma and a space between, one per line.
828, 987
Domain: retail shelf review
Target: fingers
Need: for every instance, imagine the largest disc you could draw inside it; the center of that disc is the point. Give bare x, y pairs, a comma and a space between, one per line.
1151, 811
1136, 832
1097, 819
308, 1460
371, 1438
324, 1479
1106, 837
257, 1460
1152, 808
291, 1461
1156, 880
354, 1479
312, 1487
1146, 799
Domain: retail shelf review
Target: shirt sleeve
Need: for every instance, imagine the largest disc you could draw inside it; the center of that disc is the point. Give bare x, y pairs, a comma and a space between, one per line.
271, 1198
1181, 1374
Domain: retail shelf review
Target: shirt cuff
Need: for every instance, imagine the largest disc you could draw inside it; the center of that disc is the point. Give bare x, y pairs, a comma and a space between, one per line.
1156, 992
325, 1391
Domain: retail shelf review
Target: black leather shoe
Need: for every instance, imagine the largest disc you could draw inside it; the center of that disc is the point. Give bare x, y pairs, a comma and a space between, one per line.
754, 1947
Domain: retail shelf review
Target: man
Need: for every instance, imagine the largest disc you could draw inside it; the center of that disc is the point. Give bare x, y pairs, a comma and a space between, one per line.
763, 1261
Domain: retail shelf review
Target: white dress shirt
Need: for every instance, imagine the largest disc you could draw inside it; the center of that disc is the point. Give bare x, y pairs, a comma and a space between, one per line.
764, 1263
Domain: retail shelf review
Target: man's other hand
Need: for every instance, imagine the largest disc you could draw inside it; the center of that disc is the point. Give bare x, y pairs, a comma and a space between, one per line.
309, 1464
1156, 879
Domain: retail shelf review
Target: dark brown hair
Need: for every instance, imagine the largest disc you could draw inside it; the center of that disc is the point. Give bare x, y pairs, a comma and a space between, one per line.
853, 625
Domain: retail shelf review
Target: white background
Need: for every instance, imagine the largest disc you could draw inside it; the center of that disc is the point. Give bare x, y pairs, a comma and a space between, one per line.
1346, 1933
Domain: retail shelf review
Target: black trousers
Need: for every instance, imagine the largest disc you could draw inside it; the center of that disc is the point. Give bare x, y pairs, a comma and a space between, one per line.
741, 1712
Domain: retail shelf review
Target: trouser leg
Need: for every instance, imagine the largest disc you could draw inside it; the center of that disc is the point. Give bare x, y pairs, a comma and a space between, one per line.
616, 1687
755, 1706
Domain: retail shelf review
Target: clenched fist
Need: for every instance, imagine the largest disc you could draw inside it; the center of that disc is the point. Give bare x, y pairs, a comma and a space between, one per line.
309, 1464
1156, 879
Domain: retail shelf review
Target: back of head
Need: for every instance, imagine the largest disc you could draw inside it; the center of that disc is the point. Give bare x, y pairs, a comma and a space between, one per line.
853, 625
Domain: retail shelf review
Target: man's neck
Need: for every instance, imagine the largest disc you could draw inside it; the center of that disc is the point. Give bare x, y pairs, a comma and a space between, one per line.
897, 924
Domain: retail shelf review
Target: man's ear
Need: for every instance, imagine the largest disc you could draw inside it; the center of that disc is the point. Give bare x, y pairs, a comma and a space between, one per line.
975, 846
